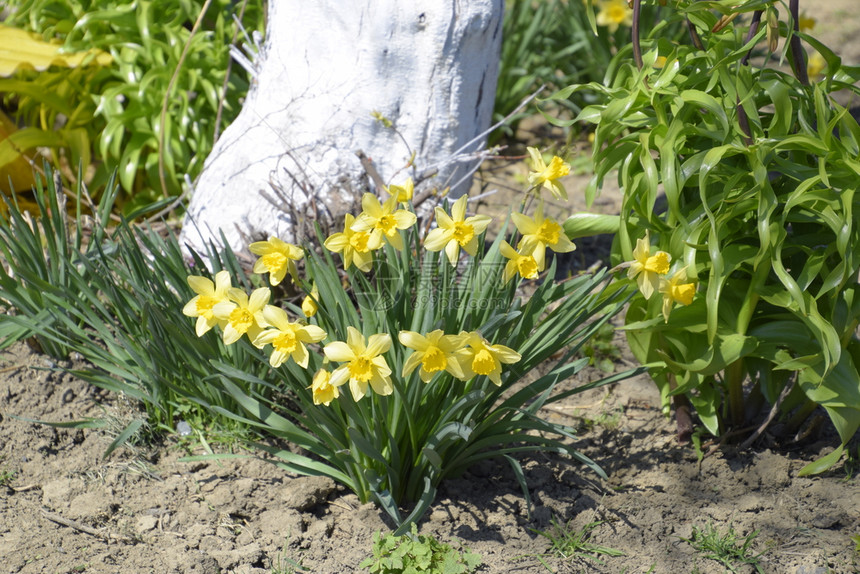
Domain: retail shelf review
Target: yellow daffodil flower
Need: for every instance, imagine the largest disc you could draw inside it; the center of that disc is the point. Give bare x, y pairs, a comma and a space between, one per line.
522, 263
356, 247
404, 192
364, 363
647, 268
482, 358
614, 13
323, 391
208, 295
805, 22
541, 232
383, 220
815, 66
434, 353
277, 258
242, 315
309, 303
456, 231
676, 289
288, 339
548, 175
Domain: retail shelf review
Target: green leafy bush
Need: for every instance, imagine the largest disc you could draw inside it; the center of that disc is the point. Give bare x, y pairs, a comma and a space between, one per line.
111, 117
555, 43
739, 181
415, 554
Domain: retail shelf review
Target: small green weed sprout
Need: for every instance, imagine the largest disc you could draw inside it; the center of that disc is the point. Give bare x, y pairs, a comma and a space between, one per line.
727, 549
7, 476
601, 350
852, 463
418, 553
567, 543
284, 563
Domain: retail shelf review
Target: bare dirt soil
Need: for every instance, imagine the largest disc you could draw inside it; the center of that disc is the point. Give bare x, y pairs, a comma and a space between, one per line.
65, 509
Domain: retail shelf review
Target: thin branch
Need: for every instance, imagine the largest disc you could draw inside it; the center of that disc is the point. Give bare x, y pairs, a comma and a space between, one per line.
637, 47
82, 527
163, 117
225, 84
754, 24
771, 415
797, 54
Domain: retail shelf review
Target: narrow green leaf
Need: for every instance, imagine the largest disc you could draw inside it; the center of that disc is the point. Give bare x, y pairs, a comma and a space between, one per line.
824, 463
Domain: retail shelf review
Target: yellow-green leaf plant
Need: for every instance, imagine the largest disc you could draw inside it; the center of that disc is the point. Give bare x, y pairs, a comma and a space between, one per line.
742, 169
109, 117
409, 357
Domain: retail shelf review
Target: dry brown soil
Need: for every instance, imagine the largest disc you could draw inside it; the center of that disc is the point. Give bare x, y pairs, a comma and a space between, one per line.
64, 509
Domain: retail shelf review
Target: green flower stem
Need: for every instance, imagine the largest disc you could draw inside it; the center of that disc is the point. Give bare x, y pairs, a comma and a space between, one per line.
751, 300
683, 412
735, 375
800, 416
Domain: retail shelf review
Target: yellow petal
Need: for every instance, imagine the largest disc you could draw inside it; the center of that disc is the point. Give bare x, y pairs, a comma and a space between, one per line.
458, 210
201, 285
190, 308
525, 225
505, 354
381, 385
378, 344
413, 340
259, 298
339, 352
311, 334
436, 239
357, 388
404, 219
452, 250
413, 361
21, 49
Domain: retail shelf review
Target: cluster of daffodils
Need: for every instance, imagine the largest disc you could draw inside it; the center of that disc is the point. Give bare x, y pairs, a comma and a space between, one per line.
381, 223
359, 360
650, 271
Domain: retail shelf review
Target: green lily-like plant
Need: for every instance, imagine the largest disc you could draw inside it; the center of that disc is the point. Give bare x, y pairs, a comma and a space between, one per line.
151, 111
419, 358
743, 174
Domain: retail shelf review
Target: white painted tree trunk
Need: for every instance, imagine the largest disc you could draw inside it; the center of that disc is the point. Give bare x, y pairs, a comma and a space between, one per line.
429, 66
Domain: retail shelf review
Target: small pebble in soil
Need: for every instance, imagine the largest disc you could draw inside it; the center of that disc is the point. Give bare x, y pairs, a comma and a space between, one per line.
183, 428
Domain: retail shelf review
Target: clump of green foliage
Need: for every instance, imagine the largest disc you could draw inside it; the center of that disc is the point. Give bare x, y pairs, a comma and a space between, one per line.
601, 350
552, 43
107, 290
740, 222
568, 543
7, 476
154, 113
414, 553
727, 548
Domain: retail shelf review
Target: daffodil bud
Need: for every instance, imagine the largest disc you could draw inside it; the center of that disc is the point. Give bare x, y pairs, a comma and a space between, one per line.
724, 21
772, 30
